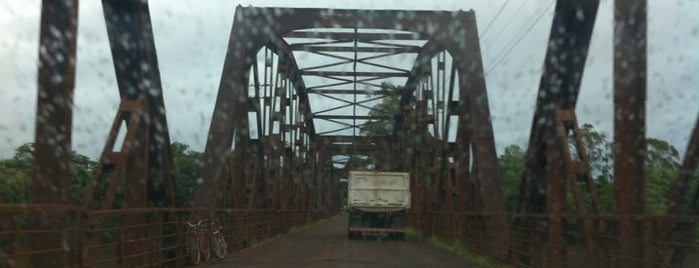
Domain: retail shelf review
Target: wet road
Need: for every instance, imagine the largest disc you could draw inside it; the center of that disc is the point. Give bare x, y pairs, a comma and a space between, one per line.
326, 245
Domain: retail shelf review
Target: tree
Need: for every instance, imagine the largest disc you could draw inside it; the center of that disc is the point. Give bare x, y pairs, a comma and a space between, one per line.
661, 170
598, 151
17, 174
15, 183
187, 164
660, 153
511, 165
82, 170
389, 106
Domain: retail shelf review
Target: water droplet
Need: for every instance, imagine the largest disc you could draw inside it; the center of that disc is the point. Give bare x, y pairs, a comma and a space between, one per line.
56, 78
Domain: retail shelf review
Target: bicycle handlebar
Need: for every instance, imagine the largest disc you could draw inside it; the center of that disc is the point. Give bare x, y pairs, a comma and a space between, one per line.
194, 225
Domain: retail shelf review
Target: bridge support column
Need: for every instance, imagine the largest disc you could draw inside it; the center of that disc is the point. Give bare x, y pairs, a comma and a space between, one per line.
630, 123
473, 91
54, 123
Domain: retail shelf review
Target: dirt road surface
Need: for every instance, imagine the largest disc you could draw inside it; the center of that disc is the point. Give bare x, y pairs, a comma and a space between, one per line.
326, 245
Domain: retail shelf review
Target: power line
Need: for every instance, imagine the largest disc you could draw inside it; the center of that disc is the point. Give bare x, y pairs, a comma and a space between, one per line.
498, 61
487, 27
507, 24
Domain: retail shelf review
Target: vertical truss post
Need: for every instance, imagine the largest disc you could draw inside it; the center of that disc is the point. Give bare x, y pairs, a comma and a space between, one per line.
239, 166
629, 123
577, 170
463, 158
54, 117
555, 202
427, 173
278, 126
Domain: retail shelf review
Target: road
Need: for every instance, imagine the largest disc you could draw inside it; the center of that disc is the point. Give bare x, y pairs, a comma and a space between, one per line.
326, 245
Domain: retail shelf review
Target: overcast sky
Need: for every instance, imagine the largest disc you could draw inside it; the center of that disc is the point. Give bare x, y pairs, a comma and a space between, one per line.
191, 39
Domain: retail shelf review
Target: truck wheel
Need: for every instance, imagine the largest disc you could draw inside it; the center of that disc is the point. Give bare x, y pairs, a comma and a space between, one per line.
397, 236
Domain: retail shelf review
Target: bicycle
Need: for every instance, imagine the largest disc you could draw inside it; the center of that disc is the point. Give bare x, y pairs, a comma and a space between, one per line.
218, 242
197, 243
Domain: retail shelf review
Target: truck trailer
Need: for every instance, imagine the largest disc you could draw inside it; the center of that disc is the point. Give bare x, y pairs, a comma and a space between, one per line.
378, 202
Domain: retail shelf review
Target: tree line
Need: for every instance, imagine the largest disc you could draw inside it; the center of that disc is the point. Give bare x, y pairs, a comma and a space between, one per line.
16, 175
661, 169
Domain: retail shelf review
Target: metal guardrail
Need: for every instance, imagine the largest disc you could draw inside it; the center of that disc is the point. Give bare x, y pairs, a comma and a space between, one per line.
531, 246
143, 237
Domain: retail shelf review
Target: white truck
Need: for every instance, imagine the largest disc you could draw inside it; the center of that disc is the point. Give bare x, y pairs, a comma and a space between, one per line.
377, 203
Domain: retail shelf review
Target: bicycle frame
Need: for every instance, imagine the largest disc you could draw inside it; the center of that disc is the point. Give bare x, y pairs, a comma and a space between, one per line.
201, 233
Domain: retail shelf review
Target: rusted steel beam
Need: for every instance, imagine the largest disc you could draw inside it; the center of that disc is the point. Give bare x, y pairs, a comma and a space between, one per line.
54, 124
281, 46
630, 74
230, 107
351, 91
428, 51
559, 85
358, 117
407, 49
352, 36
149, 169
144, 164
473, 90
361, 74
56, 82
353, 139
563, 67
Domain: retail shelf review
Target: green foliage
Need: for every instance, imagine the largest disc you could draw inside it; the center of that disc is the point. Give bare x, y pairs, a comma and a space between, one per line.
15, 183
659, 183
598, 151
511, 165
16, 174
187, 164
661, 154
605, 192
83, 168
15, 187
389, 106
662, 168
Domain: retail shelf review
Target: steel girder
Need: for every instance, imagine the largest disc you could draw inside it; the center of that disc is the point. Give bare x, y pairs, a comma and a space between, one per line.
143, 165
144, 162
550, 170
54, 122
560, 83
630, 122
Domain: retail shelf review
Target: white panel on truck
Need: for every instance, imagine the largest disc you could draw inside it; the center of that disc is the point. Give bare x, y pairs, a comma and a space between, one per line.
372, 189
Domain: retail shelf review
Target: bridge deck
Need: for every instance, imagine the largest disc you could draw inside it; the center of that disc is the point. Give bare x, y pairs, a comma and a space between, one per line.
326, 245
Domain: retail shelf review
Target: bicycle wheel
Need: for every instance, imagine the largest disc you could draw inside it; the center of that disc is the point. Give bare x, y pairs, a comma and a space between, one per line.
205, 249
193, 250
218, 243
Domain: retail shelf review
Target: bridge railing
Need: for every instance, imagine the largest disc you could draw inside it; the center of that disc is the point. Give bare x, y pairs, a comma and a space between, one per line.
142, 237
666, 241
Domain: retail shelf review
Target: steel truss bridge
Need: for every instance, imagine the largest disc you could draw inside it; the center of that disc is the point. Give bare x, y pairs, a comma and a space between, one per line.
281, 123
